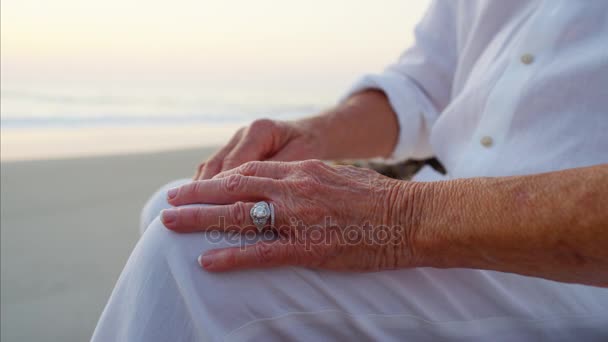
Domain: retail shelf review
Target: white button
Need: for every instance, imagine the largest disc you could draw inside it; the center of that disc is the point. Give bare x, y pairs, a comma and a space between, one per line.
527, 58
486, 141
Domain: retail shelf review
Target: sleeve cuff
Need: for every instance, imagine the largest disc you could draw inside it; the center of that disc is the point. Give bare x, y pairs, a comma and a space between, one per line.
413, 111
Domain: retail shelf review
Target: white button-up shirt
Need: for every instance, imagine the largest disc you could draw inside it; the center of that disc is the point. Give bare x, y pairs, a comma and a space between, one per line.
496, 88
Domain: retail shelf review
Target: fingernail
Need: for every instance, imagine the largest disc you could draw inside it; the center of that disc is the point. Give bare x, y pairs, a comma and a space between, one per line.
205, 260
171, 193
169, 216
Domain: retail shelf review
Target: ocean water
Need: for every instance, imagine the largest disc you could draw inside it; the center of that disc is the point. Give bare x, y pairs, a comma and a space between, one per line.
80, 119
80, 105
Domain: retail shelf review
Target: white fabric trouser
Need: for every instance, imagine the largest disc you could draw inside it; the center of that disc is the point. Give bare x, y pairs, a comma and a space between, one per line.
163, 295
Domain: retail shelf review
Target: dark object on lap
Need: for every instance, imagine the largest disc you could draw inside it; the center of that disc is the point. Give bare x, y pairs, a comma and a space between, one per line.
405, 170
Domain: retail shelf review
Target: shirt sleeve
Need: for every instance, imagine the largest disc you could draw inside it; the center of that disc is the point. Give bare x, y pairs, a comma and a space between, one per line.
418, 85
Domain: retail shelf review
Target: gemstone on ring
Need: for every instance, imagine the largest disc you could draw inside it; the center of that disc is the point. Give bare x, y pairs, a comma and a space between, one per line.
260, 213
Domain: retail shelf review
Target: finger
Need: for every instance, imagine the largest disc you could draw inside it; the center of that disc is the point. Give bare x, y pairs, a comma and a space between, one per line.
262, 138
225, 218
263, 254
223, 191
274, 170
214, 164
246, 150
199, 171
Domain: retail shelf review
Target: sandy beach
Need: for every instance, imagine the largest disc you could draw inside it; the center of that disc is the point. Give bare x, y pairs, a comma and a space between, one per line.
67, 228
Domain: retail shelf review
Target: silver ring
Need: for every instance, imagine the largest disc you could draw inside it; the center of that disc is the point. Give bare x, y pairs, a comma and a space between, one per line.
272, 215
260, 213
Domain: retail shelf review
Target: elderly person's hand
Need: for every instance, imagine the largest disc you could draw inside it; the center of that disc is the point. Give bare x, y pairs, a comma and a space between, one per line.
264, 139
339, 218
335, 134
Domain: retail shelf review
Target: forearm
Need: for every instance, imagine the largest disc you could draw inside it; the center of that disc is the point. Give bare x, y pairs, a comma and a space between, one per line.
552, 225
364, 126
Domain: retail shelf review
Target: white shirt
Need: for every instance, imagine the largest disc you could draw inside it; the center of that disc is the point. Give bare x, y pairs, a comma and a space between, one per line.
496, 88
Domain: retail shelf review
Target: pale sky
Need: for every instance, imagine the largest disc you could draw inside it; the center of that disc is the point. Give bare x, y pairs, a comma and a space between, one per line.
234, 40
73, 58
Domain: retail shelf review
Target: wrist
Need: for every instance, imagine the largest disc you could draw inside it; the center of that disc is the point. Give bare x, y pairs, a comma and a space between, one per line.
448, 216
408, 211
431, 218
363, 126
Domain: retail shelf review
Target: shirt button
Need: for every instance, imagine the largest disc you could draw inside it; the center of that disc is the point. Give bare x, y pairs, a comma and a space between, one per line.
527, 58
486, 141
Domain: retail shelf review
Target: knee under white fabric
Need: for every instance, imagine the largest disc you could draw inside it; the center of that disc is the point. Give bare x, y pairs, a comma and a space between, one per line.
157, 203
163, 295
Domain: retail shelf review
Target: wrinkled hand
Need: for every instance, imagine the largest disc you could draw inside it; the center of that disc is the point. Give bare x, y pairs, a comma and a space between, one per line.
264, 139
339, 218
